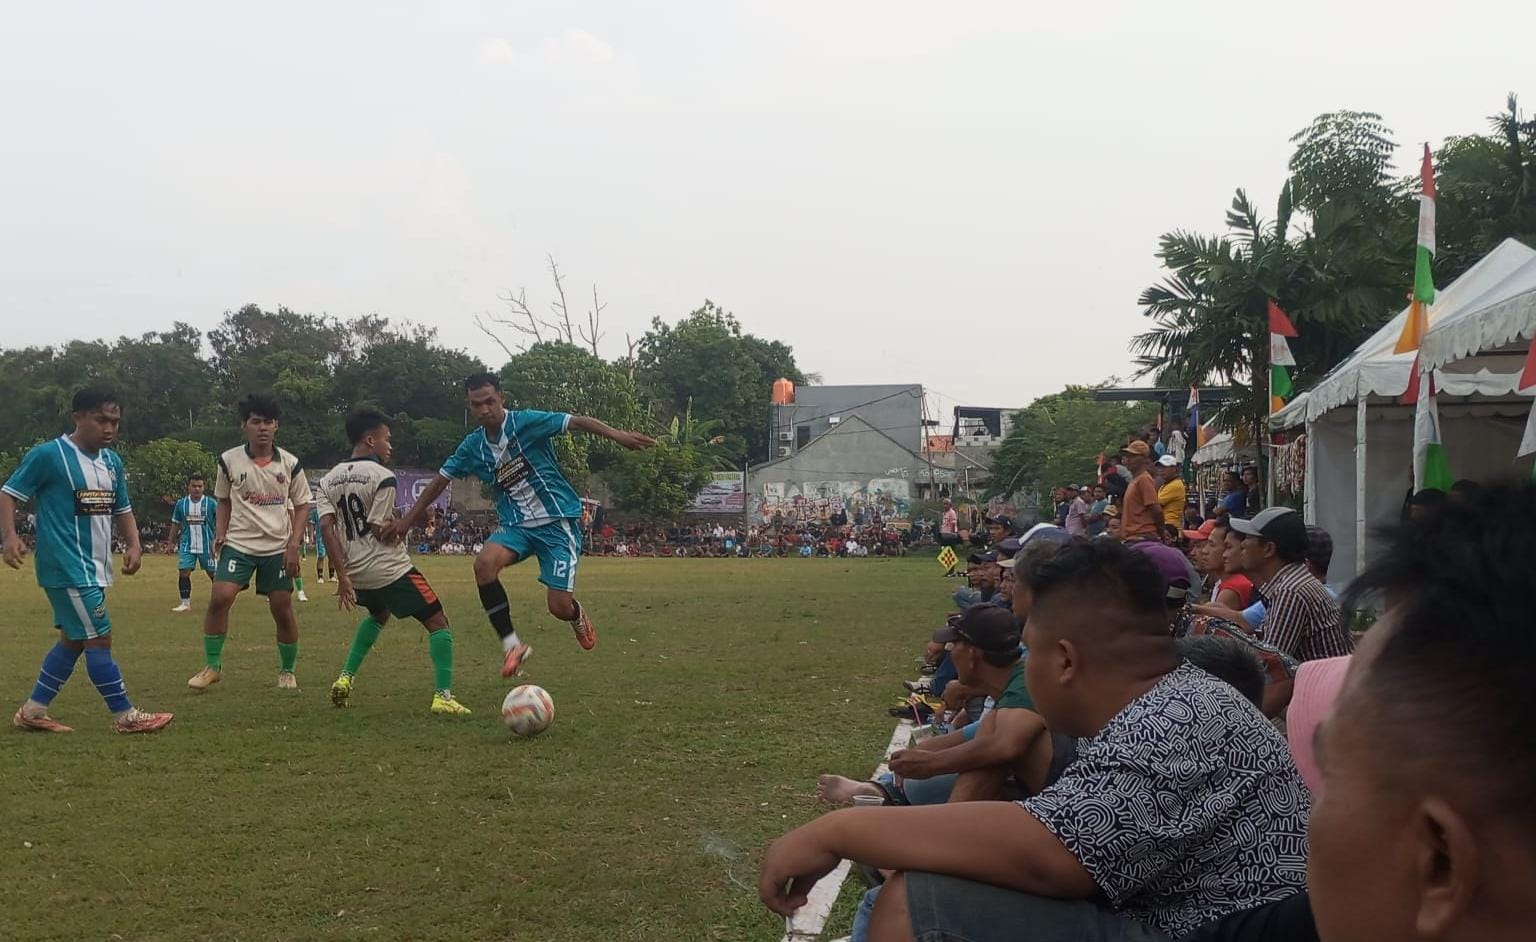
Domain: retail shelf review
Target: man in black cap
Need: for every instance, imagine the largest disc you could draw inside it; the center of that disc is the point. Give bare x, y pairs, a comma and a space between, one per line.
984, 575
1301, 618
999, 528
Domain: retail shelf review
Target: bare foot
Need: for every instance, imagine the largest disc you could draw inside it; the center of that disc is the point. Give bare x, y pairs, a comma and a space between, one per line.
836, 790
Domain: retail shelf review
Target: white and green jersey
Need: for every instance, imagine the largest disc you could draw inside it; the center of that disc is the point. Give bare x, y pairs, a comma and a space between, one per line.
196, 519
75, 495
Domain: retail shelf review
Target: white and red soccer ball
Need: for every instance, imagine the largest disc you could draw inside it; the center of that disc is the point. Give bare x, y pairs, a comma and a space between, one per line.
528, 710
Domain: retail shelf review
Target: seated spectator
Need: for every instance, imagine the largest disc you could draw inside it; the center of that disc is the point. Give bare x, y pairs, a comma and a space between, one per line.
1301, 617
1233, 588
982, 575
1182, 805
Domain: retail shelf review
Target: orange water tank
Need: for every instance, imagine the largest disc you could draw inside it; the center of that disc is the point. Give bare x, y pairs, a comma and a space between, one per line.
783, 392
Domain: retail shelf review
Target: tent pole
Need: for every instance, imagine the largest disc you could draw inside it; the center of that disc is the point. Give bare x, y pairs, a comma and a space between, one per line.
1360, 458
1308, 486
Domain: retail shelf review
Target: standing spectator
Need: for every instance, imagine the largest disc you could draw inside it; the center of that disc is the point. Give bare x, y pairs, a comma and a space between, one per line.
1142, 516
1171, 493
1234, 497
1301, 618
1077, 514
1254, 492
1096, 519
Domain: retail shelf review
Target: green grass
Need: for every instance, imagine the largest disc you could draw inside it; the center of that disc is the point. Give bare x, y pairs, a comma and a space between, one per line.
685, 742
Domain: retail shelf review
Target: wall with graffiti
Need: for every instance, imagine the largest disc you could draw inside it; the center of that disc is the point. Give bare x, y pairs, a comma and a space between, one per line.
817, 501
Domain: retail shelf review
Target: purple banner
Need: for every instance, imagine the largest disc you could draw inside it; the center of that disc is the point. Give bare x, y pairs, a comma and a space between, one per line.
409, 483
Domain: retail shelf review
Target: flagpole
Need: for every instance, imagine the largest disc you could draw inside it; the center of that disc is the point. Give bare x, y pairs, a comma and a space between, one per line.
1266, 457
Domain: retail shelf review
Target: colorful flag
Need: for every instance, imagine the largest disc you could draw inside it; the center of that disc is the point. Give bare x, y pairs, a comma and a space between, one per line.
1423, 276
1280, 357
948, 559
1527, 380
1431, 471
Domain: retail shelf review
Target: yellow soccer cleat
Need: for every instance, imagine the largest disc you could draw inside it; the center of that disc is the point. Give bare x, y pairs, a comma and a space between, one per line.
341, 691
443, 703
204, 679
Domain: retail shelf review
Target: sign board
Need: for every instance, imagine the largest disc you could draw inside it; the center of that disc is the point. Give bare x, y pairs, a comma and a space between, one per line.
409, 484
726, 493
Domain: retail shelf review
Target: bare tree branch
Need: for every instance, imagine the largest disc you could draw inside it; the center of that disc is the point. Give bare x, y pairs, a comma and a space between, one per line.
592, 333
559, 305
629, 357
519, 305
480, 323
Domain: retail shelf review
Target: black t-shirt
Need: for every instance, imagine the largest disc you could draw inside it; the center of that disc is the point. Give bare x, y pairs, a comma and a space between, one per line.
1289, 920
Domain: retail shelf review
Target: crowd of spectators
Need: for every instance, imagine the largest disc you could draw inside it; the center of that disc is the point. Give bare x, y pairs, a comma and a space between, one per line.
1117, 740
720, 541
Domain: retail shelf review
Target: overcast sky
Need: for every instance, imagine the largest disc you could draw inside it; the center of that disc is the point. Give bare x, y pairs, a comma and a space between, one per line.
966, 195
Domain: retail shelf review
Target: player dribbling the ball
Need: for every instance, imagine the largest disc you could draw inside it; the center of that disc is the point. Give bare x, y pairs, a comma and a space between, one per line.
539, 511
356, 504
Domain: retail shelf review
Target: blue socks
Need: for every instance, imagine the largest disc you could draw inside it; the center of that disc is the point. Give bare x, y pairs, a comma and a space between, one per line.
108, 679
58, 664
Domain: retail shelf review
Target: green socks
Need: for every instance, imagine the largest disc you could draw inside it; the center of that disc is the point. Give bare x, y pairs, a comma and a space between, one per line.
362, 642
213, 649
298, 583
441, 645
287, 656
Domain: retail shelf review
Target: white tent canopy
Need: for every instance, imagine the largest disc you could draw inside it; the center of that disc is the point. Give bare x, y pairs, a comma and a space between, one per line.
1359, 461
1507, 274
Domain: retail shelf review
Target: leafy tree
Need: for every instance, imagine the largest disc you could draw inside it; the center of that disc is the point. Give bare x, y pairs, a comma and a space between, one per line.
1486, 191
728, 376
158, 472
561, 377
1056, 440
658, 484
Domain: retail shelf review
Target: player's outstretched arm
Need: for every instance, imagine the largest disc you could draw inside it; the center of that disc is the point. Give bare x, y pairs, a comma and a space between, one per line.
417, 513
14, 548
634, 441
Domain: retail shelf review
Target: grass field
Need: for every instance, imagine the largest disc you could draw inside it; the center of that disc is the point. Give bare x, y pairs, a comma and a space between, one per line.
689, 738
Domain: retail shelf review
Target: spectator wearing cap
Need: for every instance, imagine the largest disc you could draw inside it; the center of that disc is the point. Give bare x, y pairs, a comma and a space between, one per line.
984, 574
1141, 516
1112, 524
1301, 617
1077, 513
1171, 493
999, 528
1100, 503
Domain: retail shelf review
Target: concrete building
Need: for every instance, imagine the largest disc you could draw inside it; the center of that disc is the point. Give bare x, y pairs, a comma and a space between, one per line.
854, 466
812, 411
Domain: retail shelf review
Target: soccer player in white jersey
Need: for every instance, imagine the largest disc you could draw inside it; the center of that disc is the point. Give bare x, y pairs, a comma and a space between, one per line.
263, 501
513, 453
192, 535
356, 501
77, 487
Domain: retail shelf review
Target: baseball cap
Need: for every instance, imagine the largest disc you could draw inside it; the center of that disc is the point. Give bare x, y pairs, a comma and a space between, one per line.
1006, 548
1171, 565
1136, 448
1202, 534
988, 557
1045, 531
1281, 526
1168, 461
988, 627
1001, 520
1317, 687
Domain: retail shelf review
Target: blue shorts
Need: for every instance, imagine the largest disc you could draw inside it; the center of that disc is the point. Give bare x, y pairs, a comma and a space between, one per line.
186, 561
557, 545
81, 613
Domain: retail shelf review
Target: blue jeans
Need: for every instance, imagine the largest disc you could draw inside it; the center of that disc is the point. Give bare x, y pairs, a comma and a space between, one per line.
942, 675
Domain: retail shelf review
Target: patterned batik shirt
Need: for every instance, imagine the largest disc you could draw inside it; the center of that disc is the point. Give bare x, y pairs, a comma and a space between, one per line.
1184, 808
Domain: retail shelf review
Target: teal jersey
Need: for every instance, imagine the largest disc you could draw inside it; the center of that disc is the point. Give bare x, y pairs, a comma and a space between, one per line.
75, 495
195, 517
520, 468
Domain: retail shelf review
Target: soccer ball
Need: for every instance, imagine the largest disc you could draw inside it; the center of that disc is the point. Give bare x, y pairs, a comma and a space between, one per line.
528, 710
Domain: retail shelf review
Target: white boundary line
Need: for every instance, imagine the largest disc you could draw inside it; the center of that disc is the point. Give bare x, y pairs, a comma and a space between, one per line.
808, 923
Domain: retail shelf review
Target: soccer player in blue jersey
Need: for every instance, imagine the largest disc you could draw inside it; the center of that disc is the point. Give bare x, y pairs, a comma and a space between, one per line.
192, 535
513, 452
78, 488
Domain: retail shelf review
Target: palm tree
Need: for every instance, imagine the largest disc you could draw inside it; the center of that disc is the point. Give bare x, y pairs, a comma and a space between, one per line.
704, 436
